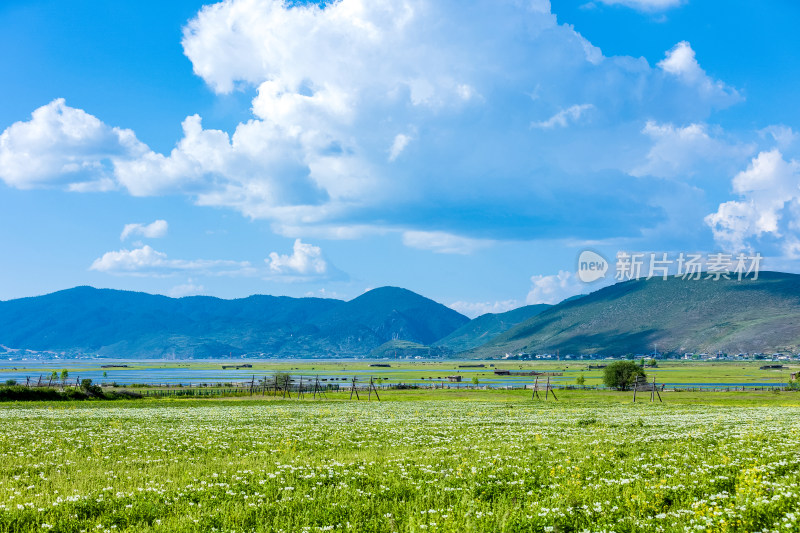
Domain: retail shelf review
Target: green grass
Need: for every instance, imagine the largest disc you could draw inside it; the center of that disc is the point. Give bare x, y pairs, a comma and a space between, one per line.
415, 371
420, 460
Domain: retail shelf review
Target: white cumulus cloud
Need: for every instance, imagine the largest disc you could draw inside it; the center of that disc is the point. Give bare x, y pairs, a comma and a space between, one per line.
681, 62
154, 230
769, 204
305, 260
61, 145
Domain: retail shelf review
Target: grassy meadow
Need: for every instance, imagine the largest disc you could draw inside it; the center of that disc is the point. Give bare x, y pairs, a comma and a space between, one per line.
681, 373
419, 460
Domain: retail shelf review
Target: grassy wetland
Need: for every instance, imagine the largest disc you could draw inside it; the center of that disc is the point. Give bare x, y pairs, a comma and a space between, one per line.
680, 374
419, 460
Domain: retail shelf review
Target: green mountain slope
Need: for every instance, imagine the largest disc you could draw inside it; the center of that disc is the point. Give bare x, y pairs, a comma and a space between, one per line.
129, 324
678, 315
484, 328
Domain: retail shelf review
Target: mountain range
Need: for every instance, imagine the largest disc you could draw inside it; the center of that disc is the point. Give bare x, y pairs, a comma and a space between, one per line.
673, 316
112, 323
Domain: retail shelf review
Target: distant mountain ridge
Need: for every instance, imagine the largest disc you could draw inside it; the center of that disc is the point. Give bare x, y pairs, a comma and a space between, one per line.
676, 315
116, 323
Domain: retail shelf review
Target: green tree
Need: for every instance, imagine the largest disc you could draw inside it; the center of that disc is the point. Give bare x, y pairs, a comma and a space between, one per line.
91, 389
474, 380
64, 376
580, 380
621, 374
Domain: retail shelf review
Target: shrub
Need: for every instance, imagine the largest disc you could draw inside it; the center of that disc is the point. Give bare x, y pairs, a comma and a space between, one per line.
24, 394
72, 393
91, 390
621, 374
11, 382
19, 393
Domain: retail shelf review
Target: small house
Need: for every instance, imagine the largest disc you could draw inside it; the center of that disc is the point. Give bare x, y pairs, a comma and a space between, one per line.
454, 379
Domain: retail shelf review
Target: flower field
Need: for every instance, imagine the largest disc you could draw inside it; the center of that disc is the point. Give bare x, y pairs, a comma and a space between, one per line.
462, 465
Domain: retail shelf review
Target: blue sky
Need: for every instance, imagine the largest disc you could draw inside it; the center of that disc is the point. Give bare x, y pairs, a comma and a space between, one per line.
468, 152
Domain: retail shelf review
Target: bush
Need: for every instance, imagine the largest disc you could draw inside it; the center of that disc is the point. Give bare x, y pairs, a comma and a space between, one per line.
11, 382
24, 394
19, 393
72, 393
621, 374
91, 390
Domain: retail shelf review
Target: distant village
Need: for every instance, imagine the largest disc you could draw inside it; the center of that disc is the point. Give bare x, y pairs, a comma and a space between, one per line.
688, 356
22, 354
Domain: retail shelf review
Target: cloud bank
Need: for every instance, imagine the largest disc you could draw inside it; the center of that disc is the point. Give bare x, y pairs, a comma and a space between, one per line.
487, 117
146, 261
305, 263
